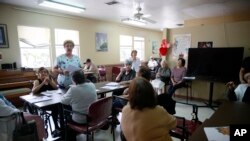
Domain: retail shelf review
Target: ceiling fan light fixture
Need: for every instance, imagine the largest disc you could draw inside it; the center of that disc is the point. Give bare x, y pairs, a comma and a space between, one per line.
61, 6
134, 21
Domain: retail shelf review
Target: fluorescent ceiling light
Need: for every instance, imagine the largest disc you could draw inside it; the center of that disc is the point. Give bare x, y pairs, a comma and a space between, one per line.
61, 6
134, 21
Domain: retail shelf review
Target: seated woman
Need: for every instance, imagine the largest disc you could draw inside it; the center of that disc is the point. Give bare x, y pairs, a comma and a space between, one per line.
177, 75
44, 83
7, 125
79, 97
142, 114
241, 92
162, 78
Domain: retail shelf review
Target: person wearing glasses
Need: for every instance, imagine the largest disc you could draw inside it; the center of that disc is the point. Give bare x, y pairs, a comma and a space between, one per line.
65, 64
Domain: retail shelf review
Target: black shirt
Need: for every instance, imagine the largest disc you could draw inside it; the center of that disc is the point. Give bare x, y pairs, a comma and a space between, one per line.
44, 87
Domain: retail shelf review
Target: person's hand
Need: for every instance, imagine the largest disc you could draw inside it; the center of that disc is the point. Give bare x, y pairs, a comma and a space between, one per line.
158, 75
230, 85
65, 72
123, 82
122, 70
46, 80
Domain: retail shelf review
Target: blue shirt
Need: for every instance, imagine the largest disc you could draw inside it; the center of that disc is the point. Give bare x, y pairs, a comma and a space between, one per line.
63, 62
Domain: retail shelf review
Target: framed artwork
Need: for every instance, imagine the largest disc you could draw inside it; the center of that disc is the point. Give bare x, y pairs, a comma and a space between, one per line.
4, 43
205, 44
101, 42
182, 43
1, 56
155, 47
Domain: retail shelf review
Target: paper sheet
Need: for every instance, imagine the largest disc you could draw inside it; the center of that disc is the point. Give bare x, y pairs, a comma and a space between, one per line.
217, 133
50, 92
72, 68
157, 83
35, 99
109, 87
112, 84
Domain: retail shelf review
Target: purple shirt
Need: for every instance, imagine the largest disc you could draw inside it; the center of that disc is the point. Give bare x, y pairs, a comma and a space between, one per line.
178, 73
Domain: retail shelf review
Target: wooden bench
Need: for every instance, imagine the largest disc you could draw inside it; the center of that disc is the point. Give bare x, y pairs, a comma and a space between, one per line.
14, 83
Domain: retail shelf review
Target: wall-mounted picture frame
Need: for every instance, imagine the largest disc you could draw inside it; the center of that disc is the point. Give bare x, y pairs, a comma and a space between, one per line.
4, 42
155, 47
205, 44
101, 42
1, 56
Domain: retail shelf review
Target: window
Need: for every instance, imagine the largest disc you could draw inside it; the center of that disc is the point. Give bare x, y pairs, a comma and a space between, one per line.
61, 35
139, 45
35, 46
34, 43
129, 43
125, 47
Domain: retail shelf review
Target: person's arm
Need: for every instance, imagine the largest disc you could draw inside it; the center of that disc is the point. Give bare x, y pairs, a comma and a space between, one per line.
53, 83
37, 86
58, 70
93, 68
183, 75
241, 75
6, 110
66, 98
230, 93
169, 120
119, 76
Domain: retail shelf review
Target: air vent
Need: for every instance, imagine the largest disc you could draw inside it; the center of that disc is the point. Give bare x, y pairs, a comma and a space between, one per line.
112, 2
179, 24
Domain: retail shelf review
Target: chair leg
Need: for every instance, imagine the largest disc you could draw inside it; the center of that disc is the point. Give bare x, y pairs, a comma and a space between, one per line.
187, 95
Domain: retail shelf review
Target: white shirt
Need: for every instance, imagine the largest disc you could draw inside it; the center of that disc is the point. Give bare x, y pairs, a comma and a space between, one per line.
152, 64
135, 64
240, 91
79, 97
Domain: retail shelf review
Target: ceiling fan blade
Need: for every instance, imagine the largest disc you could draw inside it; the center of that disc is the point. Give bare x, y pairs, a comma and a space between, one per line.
148, 20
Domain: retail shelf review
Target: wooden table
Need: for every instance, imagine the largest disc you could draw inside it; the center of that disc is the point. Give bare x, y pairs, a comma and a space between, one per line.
228, 113
55, 98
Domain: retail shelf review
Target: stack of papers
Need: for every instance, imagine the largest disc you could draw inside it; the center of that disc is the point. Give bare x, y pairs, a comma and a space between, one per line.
111, 85
49, 93
35, 99
157, 83
217, 133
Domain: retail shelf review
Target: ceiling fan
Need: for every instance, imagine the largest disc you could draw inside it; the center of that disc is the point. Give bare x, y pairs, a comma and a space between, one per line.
139, 16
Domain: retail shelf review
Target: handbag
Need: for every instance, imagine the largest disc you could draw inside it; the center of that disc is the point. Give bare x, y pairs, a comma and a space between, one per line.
25, 131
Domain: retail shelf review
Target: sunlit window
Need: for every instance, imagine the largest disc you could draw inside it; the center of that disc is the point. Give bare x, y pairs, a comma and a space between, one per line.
129, 43
34, 43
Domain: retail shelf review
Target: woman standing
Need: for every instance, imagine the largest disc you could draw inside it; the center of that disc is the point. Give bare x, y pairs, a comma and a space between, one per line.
64, 63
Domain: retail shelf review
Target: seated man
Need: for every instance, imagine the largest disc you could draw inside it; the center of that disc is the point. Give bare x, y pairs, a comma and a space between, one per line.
125, 76
152, 64
122, 100
90, 67
79, 97
241, 92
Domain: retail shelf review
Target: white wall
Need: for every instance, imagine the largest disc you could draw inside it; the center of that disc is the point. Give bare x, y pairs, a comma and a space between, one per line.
232, 34
14, 16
